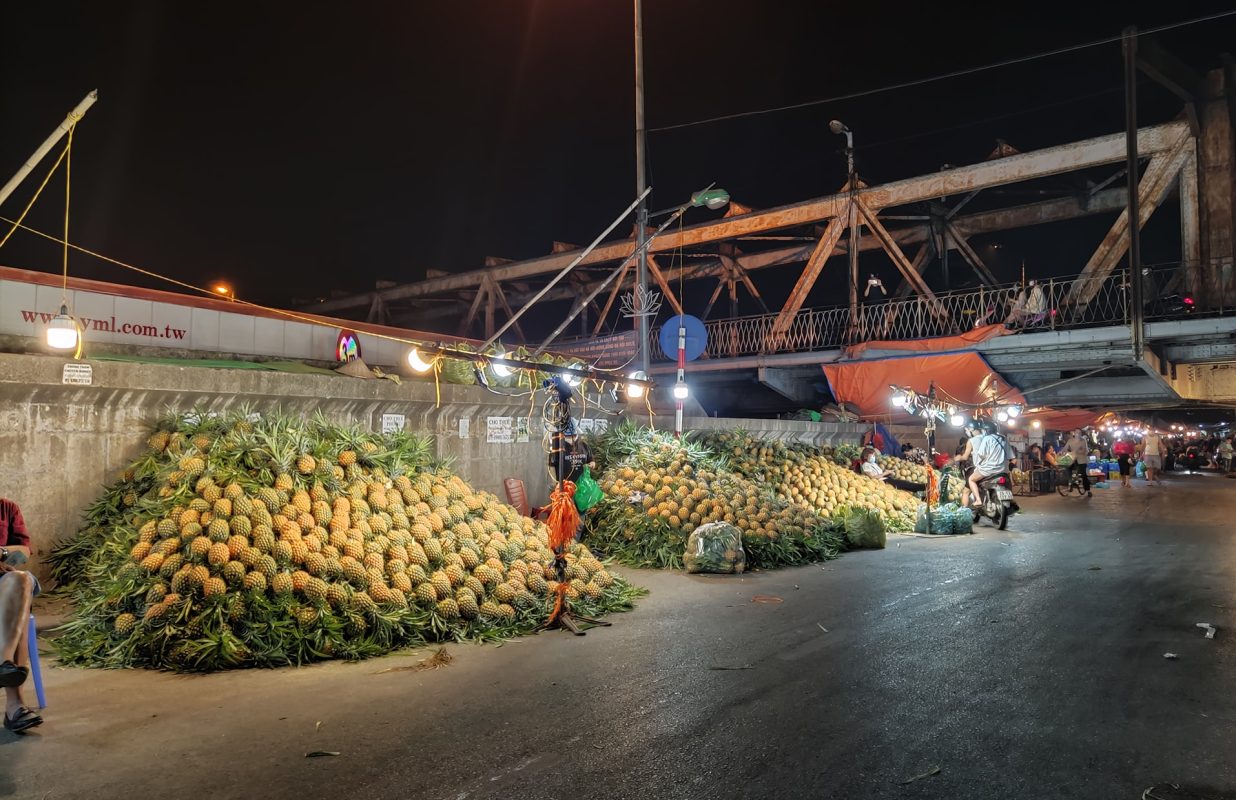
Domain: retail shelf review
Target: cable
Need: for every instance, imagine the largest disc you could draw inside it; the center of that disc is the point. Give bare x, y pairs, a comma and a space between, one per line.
944, 76
30, 205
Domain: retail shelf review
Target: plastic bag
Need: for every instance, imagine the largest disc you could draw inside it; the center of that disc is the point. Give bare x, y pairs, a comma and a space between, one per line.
587, 492
1064, 460
715, 547
941, 520
962, 519
865, 528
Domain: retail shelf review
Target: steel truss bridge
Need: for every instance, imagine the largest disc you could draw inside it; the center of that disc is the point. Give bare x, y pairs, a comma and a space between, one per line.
915, 223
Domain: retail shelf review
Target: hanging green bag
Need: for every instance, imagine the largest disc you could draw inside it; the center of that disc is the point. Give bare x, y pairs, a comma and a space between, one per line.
587, 492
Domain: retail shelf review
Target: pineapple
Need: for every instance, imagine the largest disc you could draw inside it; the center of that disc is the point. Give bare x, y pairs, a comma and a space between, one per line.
306, 464
234, 573
448, 609
282, 583
218, 555
214, 587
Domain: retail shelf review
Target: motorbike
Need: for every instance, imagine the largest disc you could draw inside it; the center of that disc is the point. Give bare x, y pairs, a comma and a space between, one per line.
995, 499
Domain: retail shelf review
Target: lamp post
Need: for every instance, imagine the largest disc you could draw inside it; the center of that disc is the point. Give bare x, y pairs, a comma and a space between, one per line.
641, 213
840, 128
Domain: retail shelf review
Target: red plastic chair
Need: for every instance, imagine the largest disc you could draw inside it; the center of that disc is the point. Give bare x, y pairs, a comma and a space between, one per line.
517, 496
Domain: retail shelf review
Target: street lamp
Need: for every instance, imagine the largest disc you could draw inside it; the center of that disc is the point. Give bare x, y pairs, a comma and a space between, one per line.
839, 128
224, 290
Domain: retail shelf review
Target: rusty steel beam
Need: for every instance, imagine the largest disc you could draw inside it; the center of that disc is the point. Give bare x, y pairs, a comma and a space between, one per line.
1013, 169
807, 279
1043, 212
659, 277
1190, 227
1155, 185
967, 252
899, 258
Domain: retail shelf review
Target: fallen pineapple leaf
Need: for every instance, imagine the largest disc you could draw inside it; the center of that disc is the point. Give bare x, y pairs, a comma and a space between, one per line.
927, 774
321, 753
440, 658
318, 726
766, 599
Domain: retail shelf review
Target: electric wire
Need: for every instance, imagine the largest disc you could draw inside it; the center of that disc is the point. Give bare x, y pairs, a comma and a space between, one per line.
941, 77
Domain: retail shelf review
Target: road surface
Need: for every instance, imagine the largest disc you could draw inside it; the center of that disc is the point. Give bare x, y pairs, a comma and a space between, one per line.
1023, 664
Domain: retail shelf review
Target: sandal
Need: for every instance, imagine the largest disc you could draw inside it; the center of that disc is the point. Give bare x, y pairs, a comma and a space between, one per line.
12, 675
25, 719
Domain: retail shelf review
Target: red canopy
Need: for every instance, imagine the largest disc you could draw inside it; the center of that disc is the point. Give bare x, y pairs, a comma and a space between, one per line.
964, 377
1065, 419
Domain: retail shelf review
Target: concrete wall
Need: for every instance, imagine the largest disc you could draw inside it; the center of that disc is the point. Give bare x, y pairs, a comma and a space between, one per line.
60, 444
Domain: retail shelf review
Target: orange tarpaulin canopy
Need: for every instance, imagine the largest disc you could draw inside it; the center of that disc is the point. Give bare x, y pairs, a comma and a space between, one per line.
936, 345
963, 377
1065, 419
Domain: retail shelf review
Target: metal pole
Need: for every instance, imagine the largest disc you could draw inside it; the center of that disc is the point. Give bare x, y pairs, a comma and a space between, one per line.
852, 181
641, 214
582, 255
582, 304
74, 116
1137, 312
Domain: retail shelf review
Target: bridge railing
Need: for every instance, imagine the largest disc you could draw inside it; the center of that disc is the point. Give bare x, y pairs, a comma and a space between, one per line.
1053, 304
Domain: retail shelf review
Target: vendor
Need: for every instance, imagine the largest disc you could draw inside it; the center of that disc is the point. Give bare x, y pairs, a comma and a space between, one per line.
871, 468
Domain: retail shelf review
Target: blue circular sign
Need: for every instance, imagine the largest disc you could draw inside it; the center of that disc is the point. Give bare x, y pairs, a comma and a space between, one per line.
696, 338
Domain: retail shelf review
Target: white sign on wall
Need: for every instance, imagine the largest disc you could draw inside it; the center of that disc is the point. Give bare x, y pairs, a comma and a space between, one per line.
392, 423
77, 374
521, 429
500, 430
465, 428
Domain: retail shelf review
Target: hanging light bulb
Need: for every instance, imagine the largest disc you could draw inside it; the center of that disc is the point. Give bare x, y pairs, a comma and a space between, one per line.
957, 419
62, 330
899, 397
680, 391
1014, 411
1002, 416
634, 390
571, 379
1036, 424
417, 363
500, 367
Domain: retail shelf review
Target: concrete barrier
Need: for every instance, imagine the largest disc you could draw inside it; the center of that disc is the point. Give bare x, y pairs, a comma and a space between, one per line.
60, 444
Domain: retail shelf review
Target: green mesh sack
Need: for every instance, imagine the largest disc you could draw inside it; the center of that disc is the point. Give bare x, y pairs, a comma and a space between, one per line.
865, 528
456, 371
715, 547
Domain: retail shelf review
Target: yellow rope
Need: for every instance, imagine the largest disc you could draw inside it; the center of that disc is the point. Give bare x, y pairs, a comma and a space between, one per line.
26, 210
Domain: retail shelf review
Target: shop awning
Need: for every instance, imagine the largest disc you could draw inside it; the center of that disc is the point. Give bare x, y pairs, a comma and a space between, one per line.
963, 377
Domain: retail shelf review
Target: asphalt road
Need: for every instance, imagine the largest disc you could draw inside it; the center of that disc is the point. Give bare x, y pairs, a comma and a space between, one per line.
1024, 664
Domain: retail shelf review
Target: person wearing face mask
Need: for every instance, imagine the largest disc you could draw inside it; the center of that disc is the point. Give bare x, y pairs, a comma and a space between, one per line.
871, 468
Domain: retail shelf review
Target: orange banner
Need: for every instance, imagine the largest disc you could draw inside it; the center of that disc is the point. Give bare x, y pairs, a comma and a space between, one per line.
964, 377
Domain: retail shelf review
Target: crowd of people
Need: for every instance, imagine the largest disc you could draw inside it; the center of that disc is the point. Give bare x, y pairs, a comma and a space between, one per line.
1148, 457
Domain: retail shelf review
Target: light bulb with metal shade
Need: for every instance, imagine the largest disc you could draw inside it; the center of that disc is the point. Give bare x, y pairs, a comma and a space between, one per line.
634, 390
837, 126
899, 398
572, 379
681, 392
417, 363
62, 331
499, 366
957, 420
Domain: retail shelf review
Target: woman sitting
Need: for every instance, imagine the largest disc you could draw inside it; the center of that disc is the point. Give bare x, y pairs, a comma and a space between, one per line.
871, 468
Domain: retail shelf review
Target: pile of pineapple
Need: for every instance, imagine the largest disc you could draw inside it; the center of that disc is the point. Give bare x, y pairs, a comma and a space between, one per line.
659, 489
904, 470
803, 474
257, 542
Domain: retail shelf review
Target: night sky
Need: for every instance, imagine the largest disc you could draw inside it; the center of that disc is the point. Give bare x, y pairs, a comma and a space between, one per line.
295, 148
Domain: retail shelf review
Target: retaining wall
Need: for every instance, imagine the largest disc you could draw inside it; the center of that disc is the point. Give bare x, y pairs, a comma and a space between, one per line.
60, 444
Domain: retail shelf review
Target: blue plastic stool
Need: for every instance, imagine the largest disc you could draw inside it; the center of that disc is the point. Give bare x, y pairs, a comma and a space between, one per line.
32, 645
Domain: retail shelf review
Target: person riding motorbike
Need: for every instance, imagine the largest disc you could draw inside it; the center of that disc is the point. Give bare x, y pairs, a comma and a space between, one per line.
988, 452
